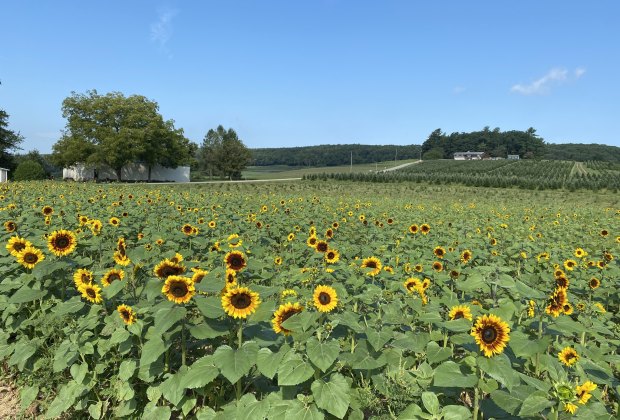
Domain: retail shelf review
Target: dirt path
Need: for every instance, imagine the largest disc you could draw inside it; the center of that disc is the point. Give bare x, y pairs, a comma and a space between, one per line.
9, 401
404, 165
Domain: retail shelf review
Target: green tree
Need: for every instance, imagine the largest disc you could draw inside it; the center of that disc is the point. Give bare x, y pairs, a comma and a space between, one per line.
29, 170
223, 153
9, 141
115, 130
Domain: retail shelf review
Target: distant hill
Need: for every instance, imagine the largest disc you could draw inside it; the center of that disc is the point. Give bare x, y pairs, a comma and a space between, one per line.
582, 152
332, 154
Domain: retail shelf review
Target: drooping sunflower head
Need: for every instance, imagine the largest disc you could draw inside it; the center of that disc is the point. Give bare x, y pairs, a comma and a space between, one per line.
234, 241
460, 311
198, 275
121, 258
325, 298
372, 265
583, 391
235, 260
127, 314
556, 302
15, 245
91, 292
284, 312
568, 356
491, 334
439, 252
112, 275
168, 268
240, 302
178, 289
30, 256
82, 276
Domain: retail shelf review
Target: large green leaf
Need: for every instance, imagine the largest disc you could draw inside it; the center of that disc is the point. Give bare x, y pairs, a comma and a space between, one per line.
431, 402
298, 411
26, 294
534, 404
268, 362
377, 339
332, 396
209, 329
165, 318
436, 354
210, 306
199, 374
500, 369
322, 354
450, 374
294, 370
234, 364
151, 350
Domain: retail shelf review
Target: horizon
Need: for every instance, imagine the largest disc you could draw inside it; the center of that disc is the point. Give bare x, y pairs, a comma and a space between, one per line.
330, 72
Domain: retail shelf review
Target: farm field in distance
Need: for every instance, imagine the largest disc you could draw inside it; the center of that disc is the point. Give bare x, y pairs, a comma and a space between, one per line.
312, 299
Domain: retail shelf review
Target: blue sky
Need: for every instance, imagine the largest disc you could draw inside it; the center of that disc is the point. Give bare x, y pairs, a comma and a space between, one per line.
295, 73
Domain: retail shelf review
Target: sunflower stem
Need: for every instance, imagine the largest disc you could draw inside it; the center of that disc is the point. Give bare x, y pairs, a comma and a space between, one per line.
476, 402
583, 338
238, 385
183, 344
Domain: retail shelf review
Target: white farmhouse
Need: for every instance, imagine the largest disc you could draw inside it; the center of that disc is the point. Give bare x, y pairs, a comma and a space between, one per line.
130, 172
468, 155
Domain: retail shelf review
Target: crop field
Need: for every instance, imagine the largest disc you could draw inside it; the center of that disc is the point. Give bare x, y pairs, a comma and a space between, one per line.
527, 174
312, 300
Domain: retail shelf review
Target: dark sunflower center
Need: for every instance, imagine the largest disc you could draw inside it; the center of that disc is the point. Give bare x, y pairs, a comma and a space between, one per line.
91, 293
18, 246
113, 277
322, 247
458, 315
236, 261
125, 314
178, 290
371, 264
31, 258
324, 298
187, 229
241, 300
62, 242
439, 252
168, 271
489, 334
288, 314
331, 255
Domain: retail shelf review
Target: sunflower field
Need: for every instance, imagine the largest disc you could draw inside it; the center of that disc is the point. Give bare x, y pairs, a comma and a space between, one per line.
309, 301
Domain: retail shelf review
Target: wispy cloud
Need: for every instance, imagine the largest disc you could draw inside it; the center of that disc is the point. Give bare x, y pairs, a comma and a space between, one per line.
554, 77
161, 30
458, 90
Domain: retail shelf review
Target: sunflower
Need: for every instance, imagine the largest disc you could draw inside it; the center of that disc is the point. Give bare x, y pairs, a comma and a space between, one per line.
425, 229
583, 391
558, 272
168, 268
239, 302
567, 309
114, 221
466, 255
412, 284
418, 268
570, 407
373, 265
568, 356
491, 334
460, 311
231, 277
311, 241
493, 241
83, 220
439, 252
198, 274
531, 309
283, 313
604, 233
127, 314
16, 244
290, 237
608, 256
82, 276
235, 260
321, 246
215, 247
277, 260
562, 282
112, 275
91, 292
329, 233
438, 266
570, 264
335, 225
121, 258
580, 253
30, 256
211, 224
47, 210
95, 226
178, 289
594, 283
332, 256
556, 302
10, 226
234, 241
177, 258
325, 298
187, 229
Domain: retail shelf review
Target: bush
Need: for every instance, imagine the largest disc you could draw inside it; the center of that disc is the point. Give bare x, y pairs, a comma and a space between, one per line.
29, 170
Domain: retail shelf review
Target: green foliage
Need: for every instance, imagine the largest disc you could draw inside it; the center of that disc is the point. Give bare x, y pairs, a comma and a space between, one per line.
29, 170
582, 152
222, 153
9, 141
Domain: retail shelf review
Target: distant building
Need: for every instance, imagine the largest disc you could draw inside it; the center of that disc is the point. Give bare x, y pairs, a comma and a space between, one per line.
468, 155
130, 172
513, 157
4, 175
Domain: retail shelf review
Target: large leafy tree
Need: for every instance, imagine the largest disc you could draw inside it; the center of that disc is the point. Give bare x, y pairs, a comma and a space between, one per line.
115, 130
9, 141
223, 153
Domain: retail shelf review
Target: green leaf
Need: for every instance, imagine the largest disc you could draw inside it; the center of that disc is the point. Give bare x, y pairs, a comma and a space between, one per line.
333, 396
96, 410
294, 370
534, 404
435, 354
66, 397
298, 411
210, 306
413, 411
209, 329
524, 346
151, 351
73, 305
113, 289
449, 374
171, 388
268, 362
153, 412
26, 294
505, 401
500, 369
200, 374
23, 351
322, 354
27, 395
431, 402
234, 364
165, 318
455, 412
126, 369
378, 339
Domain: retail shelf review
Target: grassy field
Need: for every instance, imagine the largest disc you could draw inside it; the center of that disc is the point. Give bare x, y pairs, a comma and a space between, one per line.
282, 171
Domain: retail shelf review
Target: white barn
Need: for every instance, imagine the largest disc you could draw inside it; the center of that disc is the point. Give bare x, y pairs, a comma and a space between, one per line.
468, 155
4, 175
130, 172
